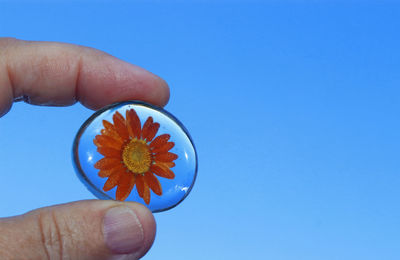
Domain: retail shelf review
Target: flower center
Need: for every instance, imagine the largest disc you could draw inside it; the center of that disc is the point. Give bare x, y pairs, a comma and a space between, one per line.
136, 156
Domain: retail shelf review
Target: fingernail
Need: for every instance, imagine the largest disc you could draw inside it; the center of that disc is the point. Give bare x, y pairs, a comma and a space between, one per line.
123, 231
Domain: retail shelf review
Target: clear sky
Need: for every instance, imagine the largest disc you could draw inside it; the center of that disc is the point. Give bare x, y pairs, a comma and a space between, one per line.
294, 109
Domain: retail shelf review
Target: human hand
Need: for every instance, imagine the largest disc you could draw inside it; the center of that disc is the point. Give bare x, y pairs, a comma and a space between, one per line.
58, 74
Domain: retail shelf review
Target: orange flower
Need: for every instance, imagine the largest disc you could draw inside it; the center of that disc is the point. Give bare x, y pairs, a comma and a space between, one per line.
132, 156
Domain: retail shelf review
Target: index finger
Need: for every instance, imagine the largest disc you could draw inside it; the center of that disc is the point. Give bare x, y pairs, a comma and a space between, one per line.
57, 74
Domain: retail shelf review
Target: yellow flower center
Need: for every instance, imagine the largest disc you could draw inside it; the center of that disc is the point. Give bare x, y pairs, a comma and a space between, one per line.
136, 156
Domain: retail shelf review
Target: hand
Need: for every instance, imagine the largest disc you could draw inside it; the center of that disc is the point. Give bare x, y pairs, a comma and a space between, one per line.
58, 74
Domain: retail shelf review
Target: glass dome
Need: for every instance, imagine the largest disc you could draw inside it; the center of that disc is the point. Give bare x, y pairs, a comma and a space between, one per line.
134, 151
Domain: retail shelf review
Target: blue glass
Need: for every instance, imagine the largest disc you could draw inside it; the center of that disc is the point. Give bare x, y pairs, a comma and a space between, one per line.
136, 158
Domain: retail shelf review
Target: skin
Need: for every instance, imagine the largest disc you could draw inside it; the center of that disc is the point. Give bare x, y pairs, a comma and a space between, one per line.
57, 74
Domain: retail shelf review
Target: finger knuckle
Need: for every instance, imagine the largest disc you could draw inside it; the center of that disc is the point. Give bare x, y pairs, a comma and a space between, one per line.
54, 235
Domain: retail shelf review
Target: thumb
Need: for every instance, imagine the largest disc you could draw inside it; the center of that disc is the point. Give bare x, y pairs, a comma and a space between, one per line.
92, 229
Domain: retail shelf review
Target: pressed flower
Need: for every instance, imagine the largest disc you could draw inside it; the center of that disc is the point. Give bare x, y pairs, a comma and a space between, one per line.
133, 155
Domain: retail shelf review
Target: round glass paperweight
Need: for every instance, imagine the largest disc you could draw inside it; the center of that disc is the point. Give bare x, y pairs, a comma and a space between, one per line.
134, 151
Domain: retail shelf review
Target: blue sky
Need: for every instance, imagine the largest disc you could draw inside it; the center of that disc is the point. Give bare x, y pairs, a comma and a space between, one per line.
293, 107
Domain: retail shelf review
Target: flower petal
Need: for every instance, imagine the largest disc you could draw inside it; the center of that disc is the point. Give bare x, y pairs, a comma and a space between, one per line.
109, 152
160, 140
167, 164
107, 141
166, 157
112, 181
153, 183
146, 126
107, 163
140, 185
146, 194
150, 130
143, 189
162, 171
125, 185
164, 148
107, 173
120, 126
133, 123
107, 125
110, 130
